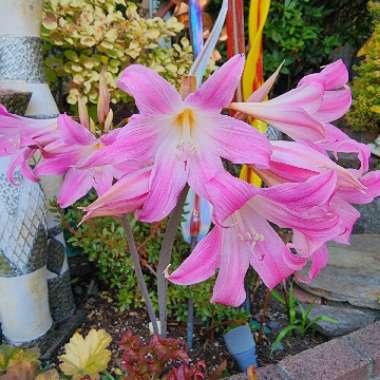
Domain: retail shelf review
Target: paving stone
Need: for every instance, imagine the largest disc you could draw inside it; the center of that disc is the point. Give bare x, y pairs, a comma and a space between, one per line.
367, 341
334, 360
352, 274
240, 376
270, 372
349, 319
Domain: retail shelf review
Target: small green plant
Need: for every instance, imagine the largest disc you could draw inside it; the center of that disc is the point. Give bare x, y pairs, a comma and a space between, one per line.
365, 113
299, 317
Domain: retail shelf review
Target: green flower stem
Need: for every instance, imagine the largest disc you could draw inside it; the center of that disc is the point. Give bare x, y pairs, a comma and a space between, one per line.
139, 274
165, 258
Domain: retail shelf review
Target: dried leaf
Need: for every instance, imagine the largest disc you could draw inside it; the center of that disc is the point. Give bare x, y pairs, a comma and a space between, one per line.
21, 370
104, 98
52, 374
251, 373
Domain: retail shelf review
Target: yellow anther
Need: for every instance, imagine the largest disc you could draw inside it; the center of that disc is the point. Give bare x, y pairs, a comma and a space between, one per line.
98, 145
185, 118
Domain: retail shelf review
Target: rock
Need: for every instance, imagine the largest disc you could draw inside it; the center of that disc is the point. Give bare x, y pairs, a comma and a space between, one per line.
275, 326
306, 297
349, 319
353, 273
369, 221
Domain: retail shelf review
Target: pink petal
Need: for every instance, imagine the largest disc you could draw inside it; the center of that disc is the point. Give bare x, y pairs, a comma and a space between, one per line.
138, 140
334, 105
76, 184
308, 97
316, 191
103, 178
332, 77
169, 176
151, 92
337, 141
239, 142
218, 90
319, 260
262, 92
234, 263
57, 164
304, 157
280, 173
202, 262
73, 132
316, 224
21, 159
348, 216
289, 119
126, 195
270, 258
226, 193
371, 181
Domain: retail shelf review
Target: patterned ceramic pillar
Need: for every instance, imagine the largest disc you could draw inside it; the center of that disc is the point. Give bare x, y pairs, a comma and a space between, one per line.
34, 276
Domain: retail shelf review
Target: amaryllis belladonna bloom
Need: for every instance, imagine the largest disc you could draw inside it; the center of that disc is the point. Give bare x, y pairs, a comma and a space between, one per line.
21, 137
305, 113
294, 162
184, 139
247, 238
65, 156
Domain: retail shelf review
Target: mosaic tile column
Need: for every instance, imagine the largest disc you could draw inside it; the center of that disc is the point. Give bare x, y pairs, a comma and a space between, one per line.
34, 276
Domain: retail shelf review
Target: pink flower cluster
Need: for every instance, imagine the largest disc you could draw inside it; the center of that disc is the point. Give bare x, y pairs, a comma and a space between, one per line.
144, 166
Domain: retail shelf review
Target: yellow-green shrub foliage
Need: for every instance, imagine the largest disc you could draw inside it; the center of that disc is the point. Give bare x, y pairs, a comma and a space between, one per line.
365, 113
86, 35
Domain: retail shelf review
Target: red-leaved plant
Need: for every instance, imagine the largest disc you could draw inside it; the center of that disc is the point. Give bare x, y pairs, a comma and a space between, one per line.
164, 359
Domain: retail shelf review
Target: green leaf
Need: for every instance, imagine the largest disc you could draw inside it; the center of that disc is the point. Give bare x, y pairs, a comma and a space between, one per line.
278, 297
284, 332
325, 318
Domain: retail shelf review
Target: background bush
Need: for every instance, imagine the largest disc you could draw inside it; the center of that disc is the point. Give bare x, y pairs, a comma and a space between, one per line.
365, 112
82, 37
305, 34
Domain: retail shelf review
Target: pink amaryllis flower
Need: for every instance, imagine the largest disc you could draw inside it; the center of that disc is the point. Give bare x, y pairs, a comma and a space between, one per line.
336, 102
21, 137
305, 113
184, 139
127, 195
294, 162
76, 146
247, 239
